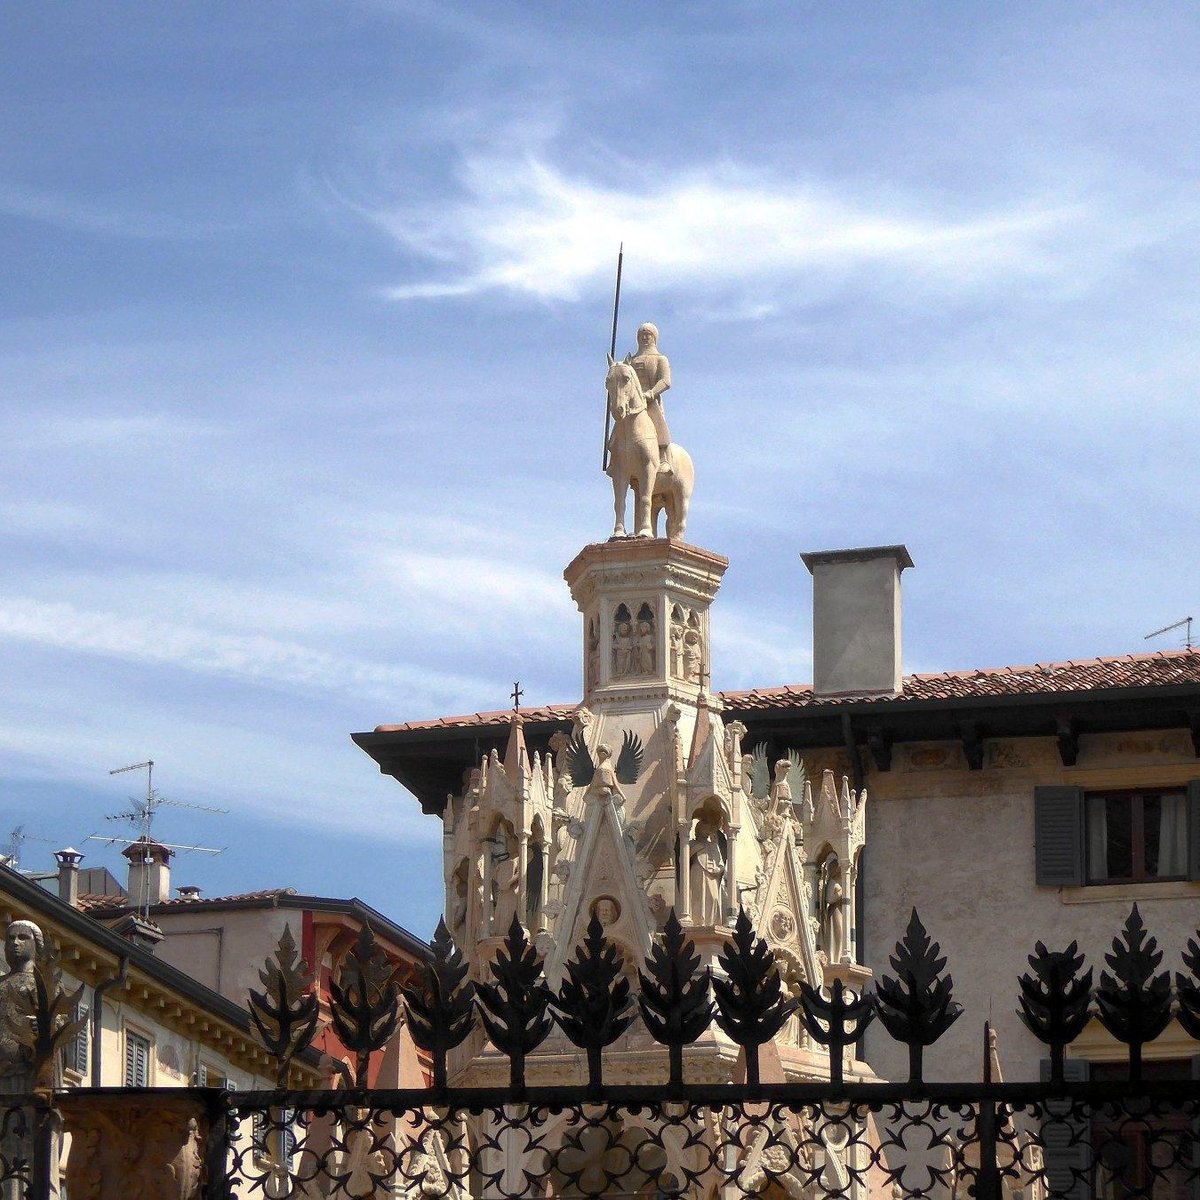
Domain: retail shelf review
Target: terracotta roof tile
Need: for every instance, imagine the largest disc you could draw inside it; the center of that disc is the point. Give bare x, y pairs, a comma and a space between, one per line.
1161, 669
97, 903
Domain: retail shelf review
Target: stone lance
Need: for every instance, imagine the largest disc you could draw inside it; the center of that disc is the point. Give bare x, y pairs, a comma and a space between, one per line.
612, 351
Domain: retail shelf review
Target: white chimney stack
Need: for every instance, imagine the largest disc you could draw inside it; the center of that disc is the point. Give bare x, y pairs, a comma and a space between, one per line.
149, 872
856, 620
68, 874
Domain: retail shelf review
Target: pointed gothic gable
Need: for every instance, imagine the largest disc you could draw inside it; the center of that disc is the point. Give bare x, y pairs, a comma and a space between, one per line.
604, 866
516, 756
708, 773
783, 915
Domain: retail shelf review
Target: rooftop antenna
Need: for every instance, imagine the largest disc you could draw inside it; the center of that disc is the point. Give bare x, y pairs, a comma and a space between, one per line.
141, 816
1187, 641
16, 839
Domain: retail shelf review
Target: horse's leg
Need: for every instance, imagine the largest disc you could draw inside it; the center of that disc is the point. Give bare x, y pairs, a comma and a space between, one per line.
657, 506
620, 491
642, 490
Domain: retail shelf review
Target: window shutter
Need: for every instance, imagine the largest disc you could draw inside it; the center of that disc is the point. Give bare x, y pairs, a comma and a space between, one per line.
1058, 836
137, 1060
77, 1051
1065, 1143
1193, 822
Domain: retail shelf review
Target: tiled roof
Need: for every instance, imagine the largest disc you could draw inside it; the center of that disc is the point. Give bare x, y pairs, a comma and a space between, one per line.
1162, 669
95, 904
500, 716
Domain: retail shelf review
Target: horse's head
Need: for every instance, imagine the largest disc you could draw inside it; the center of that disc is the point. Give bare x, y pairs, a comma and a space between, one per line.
623, 387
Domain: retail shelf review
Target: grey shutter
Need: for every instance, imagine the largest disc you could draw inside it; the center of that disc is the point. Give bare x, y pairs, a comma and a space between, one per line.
77, 1051
137, 1060
1065, 1142
1193, 823
1058, 836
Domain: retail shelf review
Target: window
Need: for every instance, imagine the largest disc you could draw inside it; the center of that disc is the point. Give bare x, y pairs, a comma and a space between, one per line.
1107, 1154
214, 1077
1134, 836
273, 1137
137, 1059
75, 1052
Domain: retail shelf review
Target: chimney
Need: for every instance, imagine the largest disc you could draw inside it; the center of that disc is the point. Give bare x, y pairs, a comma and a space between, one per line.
149, 872
856, 620
139, 930
68, 874
188, 891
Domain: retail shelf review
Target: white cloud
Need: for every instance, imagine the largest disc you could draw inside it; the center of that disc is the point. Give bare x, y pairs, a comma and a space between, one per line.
522, 225
149, 640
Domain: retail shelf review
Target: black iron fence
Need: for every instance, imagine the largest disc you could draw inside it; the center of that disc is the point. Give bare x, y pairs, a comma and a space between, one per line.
1133, 1134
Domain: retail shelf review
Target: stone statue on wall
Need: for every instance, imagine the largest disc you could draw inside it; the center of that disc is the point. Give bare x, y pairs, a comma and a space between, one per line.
677, 632
23, 942
644, 648
505, 881
707, 874
833, 915
692, 657
622, 662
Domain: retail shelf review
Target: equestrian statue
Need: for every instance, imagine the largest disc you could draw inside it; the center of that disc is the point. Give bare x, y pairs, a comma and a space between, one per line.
640, 453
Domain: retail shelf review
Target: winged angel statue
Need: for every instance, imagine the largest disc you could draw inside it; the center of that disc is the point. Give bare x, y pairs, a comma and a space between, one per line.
788, 784
597, 776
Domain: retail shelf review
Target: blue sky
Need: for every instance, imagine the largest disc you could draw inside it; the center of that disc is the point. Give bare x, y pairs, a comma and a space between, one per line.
304, 310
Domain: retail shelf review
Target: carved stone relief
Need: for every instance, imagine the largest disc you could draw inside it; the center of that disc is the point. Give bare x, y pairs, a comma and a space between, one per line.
122, 1148
634, 644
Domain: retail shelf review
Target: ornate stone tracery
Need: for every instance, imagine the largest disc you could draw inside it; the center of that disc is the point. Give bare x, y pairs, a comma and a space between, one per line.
707, 826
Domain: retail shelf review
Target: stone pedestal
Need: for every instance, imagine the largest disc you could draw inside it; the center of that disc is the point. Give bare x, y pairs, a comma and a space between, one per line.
645, 609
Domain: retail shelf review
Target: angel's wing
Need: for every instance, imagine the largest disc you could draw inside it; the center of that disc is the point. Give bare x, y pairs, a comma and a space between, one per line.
579, 761
760, 772
796, 776
629, 761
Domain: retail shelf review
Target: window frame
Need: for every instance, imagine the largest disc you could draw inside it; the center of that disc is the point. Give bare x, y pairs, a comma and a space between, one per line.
1137, 834
1060, 842
131, 1033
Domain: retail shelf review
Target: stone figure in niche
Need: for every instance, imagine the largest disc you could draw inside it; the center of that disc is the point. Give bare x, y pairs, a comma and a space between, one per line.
654, 374
505, 880
23, 942
606, 910
833, 914
692, 657
644, 648
676, 636
707, 874
458, 913
622, 662
593, 654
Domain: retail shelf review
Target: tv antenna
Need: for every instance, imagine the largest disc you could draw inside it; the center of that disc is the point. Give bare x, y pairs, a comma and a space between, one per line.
140, 815
1187, 640
16, 839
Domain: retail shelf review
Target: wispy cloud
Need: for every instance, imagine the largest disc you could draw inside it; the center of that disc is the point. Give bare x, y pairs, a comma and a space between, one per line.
522, 225
102, 217
249, 657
